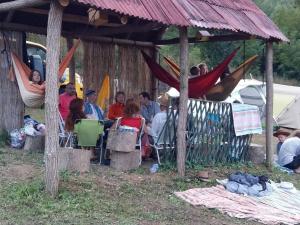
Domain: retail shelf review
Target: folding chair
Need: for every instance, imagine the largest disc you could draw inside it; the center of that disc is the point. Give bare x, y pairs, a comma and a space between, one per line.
163, 141
88, 132
65, 138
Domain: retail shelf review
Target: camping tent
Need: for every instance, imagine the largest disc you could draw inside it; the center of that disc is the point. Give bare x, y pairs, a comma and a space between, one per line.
286, 100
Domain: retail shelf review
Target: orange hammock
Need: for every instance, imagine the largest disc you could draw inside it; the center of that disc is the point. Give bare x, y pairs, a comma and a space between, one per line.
33, 94
198, 86
221, 90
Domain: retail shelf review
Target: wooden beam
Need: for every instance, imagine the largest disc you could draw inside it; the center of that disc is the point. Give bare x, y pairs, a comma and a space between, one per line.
233, 37
81, 35
18, 4
269, 104
51, 101
181, 128
9, 16
67, 17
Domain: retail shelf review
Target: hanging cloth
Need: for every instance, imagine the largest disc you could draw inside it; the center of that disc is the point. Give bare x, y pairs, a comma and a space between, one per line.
223, 89
104, 93
33, 95
198, 86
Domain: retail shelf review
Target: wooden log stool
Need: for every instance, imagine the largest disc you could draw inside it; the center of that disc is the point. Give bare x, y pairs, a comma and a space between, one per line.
74, 159
34, 143
256, 154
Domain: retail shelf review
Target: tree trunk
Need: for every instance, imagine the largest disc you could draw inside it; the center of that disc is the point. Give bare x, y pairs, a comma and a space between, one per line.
17, 4
12, 106
269, 109
51, 102
181, 129
72, 63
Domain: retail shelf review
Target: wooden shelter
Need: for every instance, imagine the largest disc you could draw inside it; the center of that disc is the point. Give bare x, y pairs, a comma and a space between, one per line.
132, 24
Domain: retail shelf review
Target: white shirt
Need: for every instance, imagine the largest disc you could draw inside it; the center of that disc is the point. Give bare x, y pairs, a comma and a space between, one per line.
157, 124
289, 149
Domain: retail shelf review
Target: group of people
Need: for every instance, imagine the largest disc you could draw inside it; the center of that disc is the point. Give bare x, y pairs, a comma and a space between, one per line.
288, 149
199, 70
130, 112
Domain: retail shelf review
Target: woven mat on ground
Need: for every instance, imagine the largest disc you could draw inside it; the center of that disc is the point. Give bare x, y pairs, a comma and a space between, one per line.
239, 206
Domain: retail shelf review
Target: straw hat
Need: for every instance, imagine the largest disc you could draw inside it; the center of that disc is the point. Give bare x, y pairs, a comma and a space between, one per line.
282, 131
163, 99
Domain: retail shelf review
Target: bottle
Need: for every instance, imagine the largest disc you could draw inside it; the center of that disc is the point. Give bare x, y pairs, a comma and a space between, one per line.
154, 168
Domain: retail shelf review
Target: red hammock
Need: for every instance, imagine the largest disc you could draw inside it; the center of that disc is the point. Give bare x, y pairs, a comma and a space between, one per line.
199, 85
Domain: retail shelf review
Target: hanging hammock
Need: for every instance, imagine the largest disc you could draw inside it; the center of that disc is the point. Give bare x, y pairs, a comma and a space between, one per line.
199, 85
33, 95
221, 90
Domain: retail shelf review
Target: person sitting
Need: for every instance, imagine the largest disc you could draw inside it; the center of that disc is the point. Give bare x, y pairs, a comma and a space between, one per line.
203, 68
289, 154
160, 118
225, 74
76, 113
281, 135
116, 110
35, 79
148, 108
194, 71
91, 109
65, 99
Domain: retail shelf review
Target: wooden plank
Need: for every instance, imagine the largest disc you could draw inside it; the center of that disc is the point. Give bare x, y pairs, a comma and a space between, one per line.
81, 35
51, 101
232, 37
181, 129
269, 104
17, 4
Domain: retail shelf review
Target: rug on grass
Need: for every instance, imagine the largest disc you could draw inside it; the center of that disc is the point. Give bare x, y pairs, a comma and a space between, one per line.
278, 208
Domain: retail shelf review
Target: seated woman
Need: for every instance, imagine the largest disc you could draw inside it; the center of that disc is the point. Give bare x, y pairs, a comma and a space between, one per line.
203, 68
76, 113
133, 118
36, 79
289, 154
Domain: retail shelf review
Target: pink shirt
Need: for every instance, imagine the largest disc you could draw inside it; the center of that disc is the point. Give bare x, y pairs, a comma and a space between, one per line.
63, 106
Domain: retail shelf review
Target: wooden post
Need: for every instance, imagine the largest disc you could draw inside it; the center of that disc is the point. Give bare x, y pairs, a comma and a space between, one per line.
18, 4
181, 129
72, 63
51, 102
269, 105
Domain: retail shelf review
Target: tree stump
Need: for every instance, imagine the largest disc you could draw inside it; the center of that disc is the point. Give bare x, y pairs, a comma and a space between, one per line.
35, 144
74, 159
125, 160
256, 154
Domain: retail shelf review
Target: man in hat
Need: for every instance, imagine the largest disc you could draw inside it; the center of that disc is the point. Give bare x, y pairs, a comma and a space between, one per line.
91, 109
281, 135
160, 118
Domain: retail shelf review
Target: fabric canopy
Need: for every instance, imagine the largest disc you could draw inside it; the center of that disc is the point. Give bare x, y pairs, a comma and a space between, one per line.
199, 85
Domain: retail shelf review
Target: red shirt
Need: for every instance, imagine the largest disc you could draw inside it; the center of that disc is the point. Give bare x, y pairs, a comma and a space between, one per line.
132, 122
64, 103
115, 111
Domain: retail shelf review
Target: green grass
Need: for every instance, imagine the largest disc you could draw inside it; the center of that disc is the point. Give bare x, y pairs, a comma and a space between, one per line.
105, 196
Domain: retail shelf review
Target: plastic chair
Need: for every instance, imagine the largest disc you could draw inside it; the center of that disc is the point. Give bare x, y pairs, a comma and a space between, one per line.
88, 131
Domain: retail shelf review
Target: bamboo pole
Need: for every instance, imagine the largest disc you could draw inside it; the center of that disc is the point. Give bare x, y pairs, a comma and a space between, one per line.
18, 4
181, 128
72, 63
269, 104
51, 102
